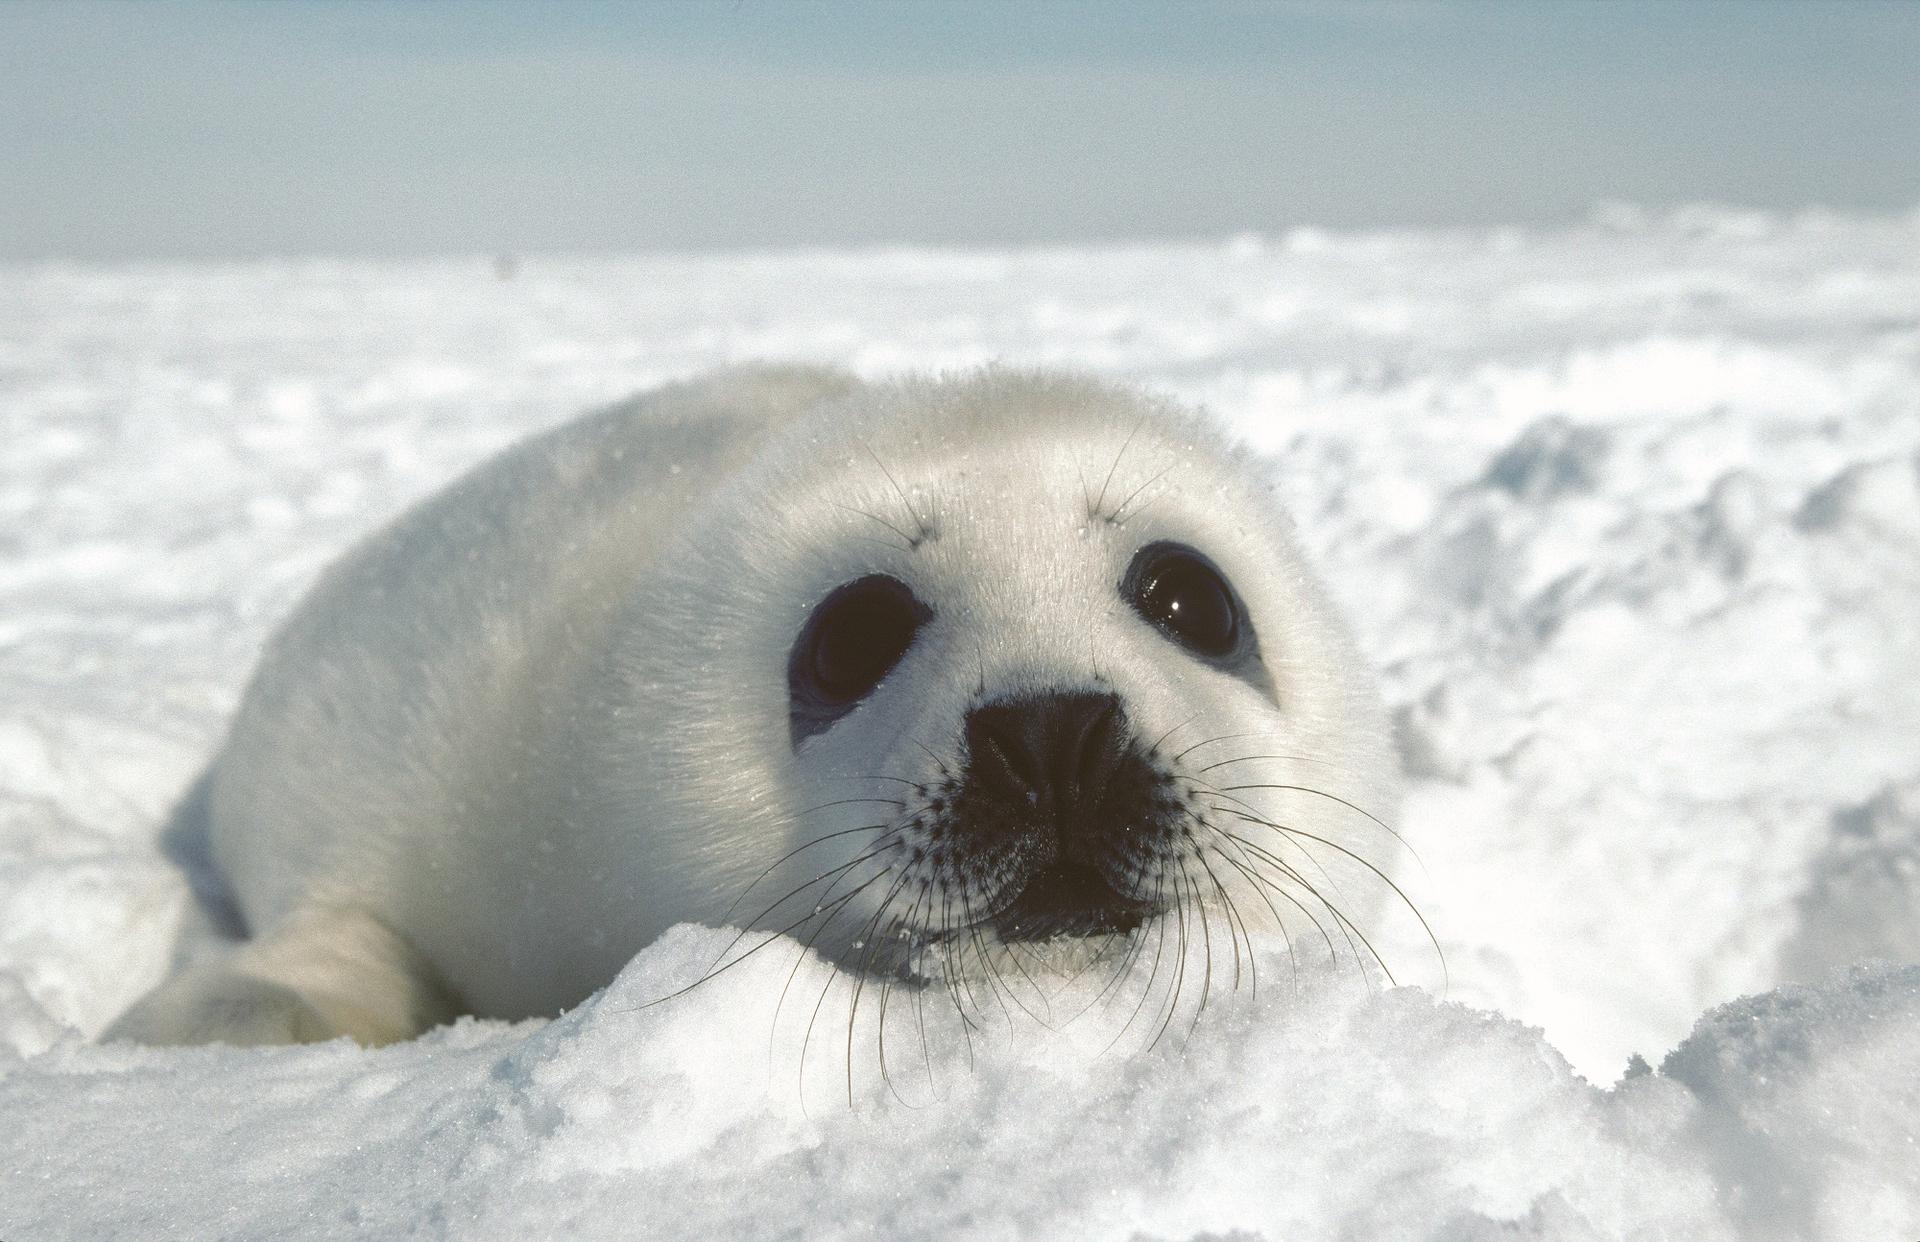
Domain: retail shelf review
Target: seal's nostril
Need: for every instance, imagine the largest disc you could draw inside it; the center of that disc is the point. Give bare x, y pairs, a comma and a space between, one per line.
1052, 751
1007, 750
1004, 760
1099, 748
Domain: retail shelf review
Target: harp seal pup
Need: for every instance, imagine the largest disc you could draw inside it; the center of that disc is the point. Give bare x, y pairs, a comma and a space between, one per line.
1003, 657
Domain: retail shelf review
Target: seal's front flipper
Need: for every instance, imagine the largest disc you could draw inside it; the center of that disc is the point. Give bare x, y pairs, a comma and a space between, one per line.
218, 1004
320, 974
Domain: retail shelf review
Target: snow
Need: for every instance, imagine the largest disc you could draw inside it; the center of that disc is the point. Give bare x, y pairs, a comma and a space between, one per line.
1628, 514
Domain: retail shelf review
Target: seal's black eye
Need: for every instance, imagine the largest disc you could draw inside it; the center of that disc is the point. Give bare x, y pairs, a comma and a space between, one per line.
852, 640
1180, 591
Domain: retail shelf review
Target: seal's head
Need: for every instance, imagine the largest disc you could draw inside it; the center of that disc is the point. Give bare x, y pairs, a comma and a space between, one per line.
1007, 658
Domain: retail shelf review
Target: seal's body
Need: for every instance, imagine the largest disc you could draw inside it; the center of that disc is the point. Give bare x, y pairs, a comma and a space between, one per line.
1006, 657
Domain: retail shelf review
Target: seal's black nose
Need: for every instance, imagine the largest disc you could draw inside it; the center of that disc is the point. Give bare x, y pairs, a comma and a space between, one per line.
1053, 752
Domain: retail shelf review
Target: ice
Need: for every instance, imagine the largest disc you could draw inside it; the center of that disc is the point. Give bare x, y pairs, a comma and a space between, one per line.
1627, 513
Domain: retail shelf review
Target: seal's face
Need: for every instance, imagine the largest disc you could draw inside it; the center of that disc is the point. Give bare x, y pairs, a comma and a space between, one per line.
1053, 817
1036, 666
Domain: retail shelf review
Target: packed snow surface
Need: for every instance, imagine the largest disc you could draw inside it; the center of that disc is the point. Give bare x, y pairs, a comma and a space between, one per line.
1628, 514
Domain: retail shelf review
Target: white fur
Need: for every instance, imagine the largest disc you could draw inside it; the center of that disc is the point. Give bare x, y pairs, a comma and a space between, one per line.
543, 716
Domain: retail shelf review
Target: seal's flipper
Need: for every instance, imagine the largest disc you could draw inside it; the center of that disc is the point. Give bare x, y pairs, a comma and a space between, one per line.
320, 974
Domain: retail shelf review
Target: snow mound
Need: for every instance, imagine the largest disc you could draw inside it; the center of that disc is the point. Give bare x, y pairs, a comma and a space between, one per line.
1324, 1111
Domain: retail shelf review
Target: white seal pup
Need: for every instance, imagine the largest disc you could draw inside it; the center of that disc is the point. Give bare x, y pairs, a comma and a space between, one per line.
1008, 657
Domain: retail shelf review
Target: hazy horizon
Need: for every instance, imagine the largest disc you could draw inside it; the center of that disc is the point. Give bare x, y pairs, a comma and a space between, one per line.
213, 130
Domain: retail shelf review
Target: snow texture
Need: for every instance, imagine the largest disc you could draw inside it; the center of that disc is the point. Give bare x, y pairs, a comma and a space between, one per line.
1628, 514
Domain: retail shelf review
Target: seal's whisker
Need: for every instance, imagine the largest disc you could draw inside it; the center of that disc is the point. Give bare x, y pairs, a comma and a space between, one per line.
906, 543
1179, 965
909, 969
1206, 942
871, 934
967, 1026
1022, 952
1162, 739
1229, 789
1347, 927
1013, 954
888, 978
882, 543
939, 764
920, 1004
1220, 737
973, 944
1098, 956
1136, 941
720, 964
1106, 951
1384, 878
1221, 763
806, 1040
824, 806
1280, 924
950, 948
1233, 921
1177, 977
1247, 847
898, 780
1113, 516
996, 986
717, 970
1293, 757
884, 844
1101, 500
800, 958
1119, 515
921, 525
956, 971
1321, 793
820, 840
890, 843
1251, 814
1153, 972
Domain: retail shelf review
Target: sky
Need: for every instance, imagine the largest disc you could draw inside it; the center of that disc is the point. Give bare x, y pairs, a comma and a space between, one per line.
237, 128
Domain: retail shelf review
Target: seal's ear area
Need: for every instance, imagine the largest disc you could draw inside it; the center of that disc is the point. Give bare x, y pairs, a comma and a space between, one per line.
853, 639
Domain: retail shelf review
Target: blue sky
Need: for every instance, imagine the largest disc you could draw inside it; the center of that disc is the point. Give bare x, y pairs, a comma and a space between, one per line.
236, 128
